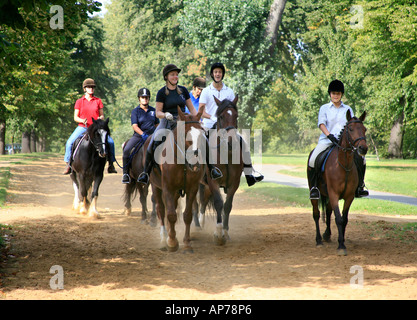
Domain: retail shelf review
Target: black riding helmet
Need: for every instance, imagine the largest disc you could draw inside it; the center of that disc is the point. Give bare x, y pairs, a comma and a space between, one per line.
217, 65
336, 86
144, 92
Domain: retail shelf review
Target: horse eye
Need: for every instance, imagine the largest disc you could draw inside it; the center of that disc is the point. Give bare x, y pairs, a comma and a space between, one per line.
350, 129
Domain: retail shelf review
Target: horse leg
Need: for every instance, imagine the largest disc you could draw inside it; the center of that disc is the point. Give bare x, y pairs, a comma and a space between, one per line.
188, 217
316, 217
341, 250
152, 220
92, 212
76, 202
204, 199
160, 210
327, 234
195, 214
129, 189
143, 194
219, 237
170, 206
227, 209
83, 192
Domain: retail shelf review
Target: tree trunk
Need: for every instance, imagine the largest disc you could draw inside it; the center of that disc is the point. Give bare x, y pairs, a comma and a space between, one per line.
2, 136
396, 138
25, 142
274, 21
33, 141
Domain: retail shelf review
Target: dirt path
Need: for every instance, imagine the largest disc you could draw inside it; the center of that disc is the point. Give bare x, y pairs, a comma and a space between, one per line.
272, 254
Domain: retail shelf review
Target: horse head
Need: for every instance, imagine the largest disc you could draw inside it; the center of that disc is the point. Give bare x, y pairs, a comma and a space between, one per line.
226, 113
355, 132
98, 133
194, 135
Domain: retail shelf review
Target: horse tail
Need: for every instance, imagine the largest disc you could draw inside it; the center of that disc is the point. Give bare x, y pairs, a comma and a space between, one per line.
130, 192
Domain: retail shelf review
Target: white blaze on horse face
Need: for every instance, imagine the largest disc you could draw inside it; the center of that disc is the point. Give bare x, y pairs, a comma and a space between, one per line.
230, 112
103, 135
193, 156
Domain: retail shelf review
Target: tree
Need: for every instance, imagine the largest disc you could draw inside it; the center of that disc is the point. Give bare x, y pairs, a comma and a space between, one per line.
243, 35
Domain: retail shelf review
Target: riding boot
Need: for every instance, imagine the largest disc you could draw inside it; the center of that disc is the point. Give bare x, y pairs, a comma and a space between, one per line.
215, 173
67, 169
250, 179
144, 176
312, 177
126, 176
360, 191
361, 168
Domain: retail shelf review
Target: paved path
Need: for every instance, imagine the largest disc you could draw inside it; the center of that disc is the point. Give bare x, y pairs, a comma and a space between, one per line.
270, 171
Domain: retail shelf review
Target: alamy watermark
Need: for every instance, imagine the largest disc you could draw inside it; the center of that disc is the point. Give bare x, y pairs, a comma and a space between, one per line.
57, 20
356, 282
57, 281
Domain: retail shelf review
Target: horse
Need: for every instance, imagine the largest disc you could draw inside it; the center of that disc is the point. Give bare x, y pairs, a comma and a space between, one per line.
229, 160
340, 179
132, 188
89, 159
179, 174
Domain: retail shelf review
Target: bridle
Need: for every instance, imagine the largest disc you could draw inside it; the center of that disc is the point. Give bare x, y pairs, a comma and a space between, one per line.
95, 145
352, 144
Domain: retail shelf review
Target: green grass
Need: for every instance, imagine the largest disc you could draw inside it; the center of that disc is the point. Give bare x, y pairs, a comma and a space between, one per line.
387, 175
298, 197
404, 232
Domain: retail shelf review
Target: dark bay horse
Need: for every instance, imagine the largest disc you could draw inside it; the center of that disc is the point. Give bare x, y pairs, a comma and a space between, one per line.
340, 179
133, 188
227, 148
178, 174
88, 165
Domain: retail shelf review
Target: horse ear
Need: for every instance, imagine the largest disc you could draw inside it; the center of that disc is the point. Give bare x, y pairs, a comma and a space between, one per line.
94, 120
363, 116
348, 115
218, 102
200, 112
180, 113
107, 120
235, 99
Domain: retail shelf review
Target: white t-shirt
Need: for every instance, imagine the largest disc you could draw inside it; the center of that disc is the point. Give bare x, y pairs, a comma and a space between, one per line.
206, 97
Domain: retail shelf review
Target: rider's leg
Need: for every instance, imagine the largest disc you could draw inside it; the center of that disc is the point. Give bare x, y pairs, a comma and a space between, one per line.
111, 155
361, 167
79, 131
312, 172
126, 157
247, 167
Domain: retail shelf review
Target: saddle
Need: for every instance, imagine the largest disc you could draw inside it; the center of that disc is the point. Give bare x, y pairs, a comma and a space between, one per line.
75, 146
322, 158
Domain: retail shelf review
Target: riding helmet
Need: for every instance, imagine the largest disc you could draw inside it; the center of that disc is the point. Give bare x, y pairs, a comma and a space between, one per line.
336, 86
88, 83
144, 92
168, 68
217, 65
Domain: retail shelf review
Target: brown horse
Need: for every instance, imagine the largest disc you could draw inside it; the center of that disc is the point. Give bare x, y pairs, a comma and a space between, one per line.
133, 187
228, 146
179, 168
340, 179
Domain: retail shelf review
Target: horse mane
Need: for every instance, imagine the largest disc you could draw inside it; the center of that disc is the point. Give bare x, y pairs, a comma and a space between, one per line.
223, 105
343, 130
98, 124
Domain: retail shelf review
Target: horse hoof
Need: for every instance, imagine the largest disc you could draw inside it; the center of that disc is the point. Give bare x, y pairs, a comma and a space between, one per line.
172, 245
220, 241
188, 250
152, 223
341, 252
319, 245
128, 212
143, 221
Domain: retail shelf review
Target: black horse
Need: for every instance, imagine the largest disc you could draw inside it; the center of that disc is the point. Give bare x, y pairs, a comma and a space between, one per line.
134, 187
89, 159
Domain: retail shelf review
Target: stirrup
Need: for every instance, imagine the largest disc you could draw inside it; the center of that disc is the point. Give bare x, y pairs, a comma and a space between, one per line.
126, 179
314, 193
143, 178
361, 192
215, 173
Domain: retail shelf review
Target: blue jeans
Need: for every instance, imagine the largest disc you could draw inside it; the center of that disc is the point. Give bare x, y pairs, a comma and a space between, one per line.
78, 132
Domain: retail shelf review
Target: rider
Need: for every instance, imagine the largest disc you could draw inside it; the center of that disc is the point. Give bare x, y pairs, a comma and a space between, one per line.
85, 109
218, 89
199, 84
331, 121
143, 120
167, 99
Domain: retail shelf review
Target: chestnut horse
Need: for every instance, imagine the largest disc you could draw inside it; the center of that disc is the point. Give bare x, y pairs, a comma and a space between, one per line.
178, 174
340, 179
88, 165
229, 160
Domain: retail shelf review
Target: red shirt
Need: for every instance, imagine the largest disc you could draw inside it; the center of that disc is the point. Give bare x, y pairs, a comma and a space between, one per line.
88, 109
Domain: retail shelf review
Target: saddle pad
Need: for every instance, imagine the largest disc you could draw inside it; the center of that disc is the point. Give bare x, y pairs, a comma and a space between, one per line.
327, 156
